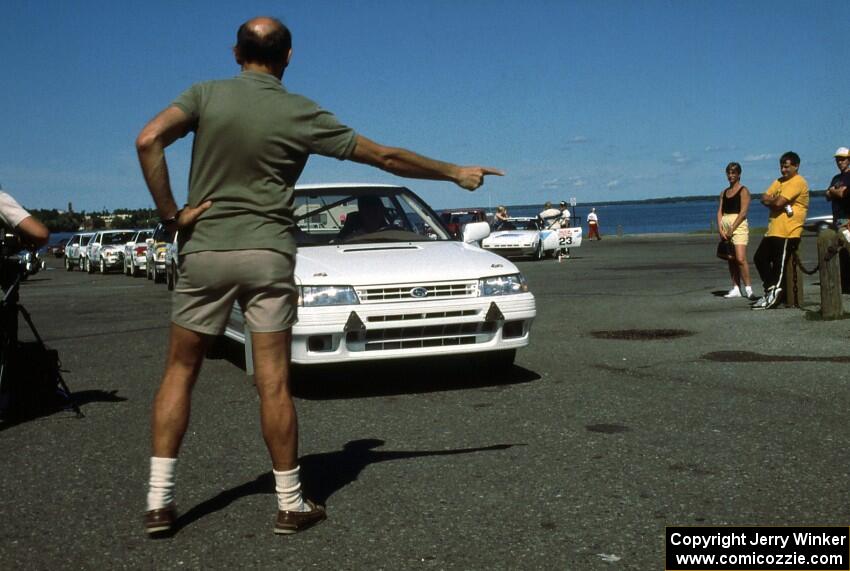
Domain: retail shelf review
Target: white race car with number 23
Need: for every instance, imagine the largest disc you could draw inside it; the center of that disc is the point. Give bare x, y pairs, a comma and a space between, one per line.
530, 237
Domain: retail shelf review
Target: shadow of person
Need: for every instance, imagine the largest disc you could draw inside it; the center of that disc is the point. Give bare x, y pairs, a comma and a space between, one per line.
327, 473
323, 474
33, 408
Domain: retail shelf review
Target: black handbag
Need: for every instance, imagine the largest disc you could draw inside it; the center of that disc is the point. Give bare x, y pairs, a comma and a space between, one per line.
725, 250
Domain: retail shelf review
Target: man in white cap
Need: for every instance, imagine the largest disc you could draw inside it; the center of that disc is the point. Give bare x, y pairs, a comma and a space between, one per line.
565, 215
838, 192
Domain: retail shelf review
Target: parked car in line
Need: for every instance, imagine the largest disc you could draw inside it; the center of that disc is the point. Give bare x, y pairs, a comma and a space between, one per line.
527, 236
159, 253
75, 250
105, 251
455, 220
818, 223
171, 274
135, 252
389, 290
58, 248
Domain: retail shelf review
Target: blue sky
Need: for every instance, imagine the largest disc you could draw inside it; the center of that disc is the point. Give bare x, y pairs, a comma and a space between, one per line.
598, 100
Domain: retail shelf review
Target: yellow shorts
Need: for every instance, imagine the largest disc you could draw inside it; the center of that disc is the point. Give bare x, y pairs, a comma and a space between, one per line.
262, 282
741, 236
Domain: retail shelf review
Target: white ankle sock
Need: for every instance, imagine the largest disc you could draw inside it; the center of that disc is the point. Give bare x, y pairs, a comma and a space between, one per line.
288, 488
748, 290
161, 483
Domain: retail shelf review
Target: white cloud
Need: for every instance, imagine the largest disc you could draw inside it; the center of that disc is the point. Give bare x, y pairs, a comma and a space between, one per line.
613, 183
720, 148
550, 184
577, 181
679, 158
756, 158
578, 139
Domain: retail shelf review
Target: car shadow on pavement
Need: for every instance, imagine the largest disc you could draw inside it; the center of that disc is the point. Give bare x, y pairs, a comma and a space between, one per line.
323, 474
362, 380
391, 377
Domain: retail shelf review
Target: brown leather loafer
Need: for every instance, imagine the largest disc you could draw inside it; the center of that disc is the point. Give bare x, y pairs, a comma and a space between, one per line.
292, 522
160, 521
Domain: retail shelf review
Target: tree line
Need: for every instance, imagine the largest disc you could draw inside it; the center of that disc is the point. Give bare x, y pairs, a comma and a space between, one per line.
63, 221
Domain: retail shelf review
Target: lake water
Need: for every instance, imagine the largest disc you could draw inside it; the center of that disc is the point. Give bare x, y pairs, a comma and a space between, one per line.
668, 217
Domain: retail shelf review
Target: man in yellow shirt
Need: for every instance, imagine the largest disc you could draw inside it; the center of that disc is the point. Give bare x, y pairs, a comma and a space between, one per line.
788, 200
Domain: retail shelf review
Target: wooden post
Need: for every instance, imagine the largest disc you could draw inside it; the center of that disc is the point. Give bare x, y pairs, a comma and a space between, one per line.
793, 282
831, 306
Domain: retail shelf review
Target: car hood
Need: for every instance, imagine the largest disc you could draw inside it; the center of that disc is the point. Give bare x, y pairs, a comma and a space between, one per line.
409, 262
512, 235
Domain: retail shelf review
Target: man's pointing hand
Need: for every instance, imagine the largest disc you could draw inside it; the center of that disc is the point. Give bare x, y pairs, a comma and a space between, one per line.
471, 178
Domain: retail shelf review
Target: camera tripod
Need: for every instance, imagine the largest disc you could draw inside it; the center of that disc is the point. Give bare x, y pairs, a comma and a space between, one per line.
10, 308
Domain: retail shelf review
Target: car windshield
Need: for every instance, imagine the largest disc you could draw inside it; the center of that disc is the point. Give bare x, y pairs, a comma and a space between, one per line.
144, 235
363, 215
117, 238
86, 239
520, 224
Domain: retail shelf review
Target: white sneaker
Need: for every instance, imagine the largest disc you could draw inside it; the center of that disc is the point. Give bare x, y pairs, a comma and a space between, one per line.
734, 292
760, 303
773, 298
748, 293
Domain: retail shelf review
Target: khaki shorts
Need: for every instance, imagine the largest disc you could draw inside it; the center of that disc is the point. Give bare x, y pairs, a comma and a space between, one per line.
261, 281
741, 236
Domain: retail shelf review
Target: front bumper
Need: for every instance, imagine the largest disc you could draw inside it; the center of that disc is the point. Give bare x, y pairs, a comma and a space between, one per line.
113, 260
369, 332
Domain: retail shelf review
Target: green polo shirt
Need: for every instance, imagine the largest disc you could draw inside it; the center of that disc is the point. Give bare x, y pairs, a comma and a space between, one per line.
252, 140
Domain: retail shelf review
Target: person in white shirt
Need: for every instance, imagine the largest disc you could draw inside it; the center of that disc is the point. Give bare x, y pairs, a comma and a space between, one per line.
550, 216
565, 215
593, 225
12, 215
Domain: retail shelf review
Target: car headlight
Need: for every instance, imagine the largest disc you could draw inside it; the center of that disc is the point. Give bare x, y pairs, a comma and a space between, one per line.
502, 285
320, 296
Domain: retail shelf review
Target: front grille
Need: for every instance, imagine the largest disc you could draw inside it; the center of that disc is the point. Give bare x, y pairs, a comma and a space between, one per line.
404, 292
419, 337
429, 315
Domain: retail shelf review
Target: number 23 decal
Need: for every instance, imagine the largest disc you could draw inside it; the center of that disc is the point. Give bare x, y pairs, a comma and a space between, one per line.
565, 240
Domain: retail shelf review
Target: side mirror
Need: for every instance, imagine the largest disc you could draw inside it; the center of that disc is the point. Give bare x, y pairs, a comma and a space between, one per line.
149, 242
475, 231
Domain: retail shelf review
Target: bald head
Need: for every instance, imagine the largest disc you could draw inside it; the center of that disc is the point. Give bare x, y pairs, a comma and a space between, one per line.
263, 41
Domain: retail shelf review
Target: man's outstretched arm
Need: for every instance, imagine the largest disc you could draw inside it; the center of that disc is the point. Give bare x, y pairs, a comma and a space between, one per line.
408, 164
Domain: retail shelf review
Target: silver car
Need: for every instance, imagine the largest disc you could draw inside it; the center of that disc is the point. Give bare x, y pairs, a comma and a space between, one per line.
75, 250
159, 254
106, 250
135, 253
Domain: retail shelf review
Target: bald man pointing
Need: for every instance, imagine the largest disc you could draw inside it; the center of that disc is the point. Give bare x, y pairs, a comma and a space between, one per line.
252, 139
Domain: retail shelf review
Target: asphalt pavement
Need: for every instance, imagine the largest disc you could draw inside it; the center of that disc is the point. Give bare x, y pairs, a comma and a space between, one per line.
644, 400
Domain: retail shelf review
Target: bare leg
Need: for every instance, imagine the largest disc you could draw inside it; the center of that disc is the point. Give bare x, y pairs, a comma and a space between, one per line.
277, 410
742, 264
733, 272
173, 401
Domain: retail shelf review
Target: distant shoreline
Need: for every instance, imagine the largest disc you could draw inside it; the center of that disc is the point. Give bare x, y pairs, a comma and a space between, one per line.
664, 200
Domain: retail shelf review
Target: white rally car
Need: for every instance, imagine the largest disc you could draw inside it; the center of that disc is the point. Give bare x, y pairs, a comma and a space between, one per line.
530, 237
380, 277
